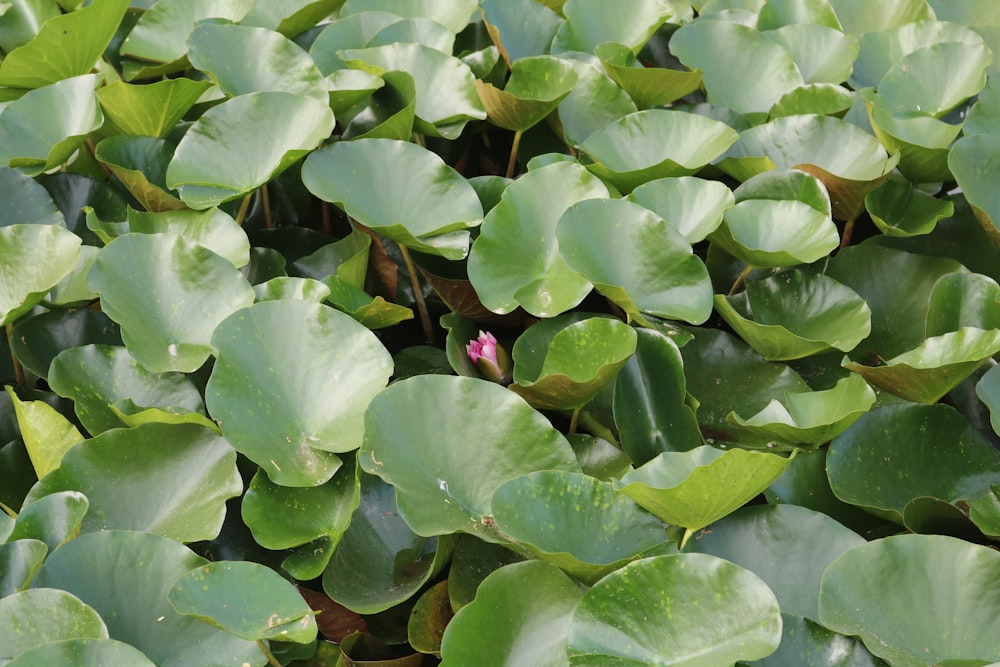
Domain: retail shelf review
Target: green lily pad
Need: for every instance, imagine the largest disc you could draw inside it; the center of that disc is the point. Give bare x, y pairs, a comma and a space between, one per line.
97, 376
693, 206
777, 13
419, 30
599, 458
290, 17
932, 369
372, 312
804, 642
473, 561
287, 287
311, 391
858, 16
591, 22
44, 127
520, 28
272, 130
65, 46
161, 34
36, 258
795, 314
636, 259
150, 110
21, 23
645, 613
146, 566
647, 86
348, 32
899, 209
52, 520
823, 54
155, 478
19, 560
37, 340
39, 616
848, 160
935, 79
244, 59
28, 201
984, 511
390, 111
595, 102
246, 599
83, 652
695, 488
657, 143
140, 163
963, 300
812, 417
564, 362
431, 209
787, 546
713, 47
47, 434
211, 228
916, 600
347, 259
988, 390
535, 88
575, 522
528, 596
453, 15
196, 290
934, 452
515, 260
470, 425
650, 407
973, 160
446, 92
380, 562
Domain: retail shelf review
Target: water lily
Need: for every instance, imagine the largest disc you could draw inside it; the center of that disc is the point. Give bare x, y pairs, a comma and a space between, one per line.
491, 360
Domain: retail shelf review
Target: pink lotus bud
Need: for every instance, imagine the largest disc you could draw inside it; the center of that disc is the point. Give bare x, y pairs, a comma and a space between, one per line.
491, 360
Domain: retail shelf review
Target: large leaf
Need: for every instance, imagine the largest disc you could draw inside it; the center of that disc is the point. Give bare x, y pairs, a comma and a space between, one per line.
311, 389
126, 576
528, 596
447, 443
822, 54
575, 522
935, 79
211, 228
917, 600
195, 290
933, 450
36, 258
84, 652
515, 260
453, 14
535, 88
973, 160
162, 31
272, 130
657, 143
520, 28
691, 205
595, 102
39, 616
172, 480
430, 210
590, 22
29, 203
859, 16
99, 376
795, 314
682, 609
152, 109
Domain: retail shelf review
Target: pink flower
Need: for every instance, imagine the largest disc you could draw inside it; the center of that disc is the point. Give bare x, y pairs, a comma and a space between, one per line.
491, 360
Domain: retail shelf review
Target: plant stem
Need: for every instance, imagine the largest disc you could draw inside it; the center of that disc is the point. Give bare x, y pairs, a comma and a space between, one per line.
18, 368
512, 162
267, 653
244, 206
845, 239
573, 421
266, 201
739, 279
596, 428
418, 295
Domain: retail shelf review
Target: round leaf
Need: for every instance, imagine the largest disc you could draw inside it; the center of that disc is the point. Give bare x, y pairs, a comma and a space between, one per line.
693, 206
36, 258
453, 14
19, 560
83, 653
859, 16
804, 642
917, 599
520, 28
773, 233
515, 259
590, 22
429, 618
38, 339
212, 228
575, 522
168, 479
973, 160
42, 615
270, 130
647, 86
899, 209
311, 389
595, 102
471, 563
536, 86
822, 54
195, 290
162, 31
438, 440
28, 202
682, 609
935, 79
45, 432
963, 300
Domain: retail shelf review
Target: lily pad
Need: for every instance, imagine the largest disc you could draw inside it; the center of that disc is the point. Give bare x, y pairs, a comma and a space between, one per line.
452, 14
161, 34
431, 209
535, 88
636, 259
804, 642
822, 53
206, 172
372, 312
469, 425
899, 209
935, 79
704, 611
515, 260
150, 110
657, 143
211, 228
37, 340
290, 17
595, 102
83, 652
19, 560
346, 258
390, 111
824, 99
575, 522
929, 371
591, 22
140, 163
419, 30
794, 314
528, 595
52, 520
429, 618
693, 206
695, 488
972, 160
47, 434
153, 478
812, 417
963, 300
933, 450
40, 616
988, 390
859, 16
196, 290
247, 599
520, 28
550, 371
348, 32
310, 392
36, 258
916, 599
647, 86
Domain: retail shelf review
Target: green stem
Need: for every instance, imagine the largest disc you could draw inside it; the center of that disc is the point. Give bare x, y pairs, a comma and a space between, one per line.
596, 428
267, 653
512, 162
739, 279
266, 201
574, 420
8, 511
18, 368
244, 207
418, 296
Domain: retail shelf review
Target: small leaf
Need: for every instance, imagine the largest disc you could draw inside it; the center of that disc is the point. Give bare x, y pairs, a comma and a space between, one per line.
590, 22
36, 258
47, 434
52, 520
647, 86
691, 205
595, 102
899, 209
858, 16
535, 88
429, 619
453, 15
140, 163
822, 53
151, 109
19, 560
38, 339
83, 652
963, 300
372, 312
